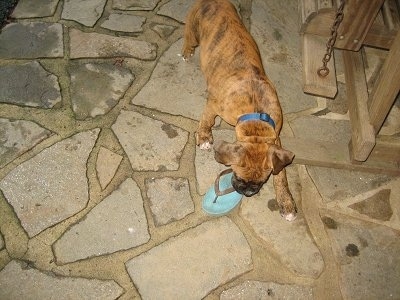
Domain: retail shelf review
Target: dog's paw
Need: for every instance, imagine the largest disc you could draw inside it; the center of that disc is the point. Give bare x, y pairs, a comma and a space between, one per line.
205, 146
183, 57
289, 217
204, 141
186, 55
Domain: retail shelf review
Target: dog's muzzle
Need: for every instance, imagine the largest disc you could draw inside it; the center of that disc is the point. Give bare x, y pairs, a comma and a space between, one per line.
245, 188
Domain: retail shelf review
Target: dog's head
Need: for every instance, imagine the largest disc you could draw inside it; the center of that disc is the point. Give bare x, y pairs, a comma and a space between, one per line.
252, 163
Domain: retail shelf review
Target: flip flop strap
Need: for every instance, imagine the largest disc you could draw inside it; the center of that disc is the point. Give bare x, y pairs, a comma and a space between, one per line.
216, 185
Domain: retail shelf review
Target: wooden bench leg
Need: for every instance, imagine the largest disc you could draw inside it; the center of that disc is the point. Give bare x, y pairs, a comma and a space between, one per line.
362, 133
386, 87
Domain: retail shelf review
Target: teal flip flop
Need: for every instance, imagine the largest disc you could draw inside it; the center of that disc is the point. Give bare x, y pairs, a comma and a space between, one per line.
222, 197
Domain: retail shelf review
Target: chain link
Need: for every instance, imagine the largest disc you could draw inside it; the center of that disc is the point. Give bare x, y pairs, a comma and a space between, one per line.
324, 70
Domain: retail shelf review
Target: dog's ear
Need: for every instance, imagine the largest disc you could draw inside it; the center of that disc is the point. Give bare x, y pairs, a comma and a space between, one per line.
279, 158
227, 153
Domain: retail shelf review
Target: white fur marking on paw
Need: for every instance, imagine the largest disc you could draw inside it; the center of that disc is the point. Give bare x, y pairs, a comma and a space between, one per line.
205, 146
290, 217
180, 55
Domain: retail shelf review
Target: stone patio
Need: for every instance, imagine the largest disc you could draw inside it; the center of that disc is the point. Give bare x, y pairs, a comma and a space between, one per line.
101, 182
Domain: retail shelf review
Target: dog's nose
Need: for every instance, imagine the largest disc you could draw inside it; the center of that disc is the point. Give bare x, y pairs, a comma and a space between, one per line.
247, 189
250, 192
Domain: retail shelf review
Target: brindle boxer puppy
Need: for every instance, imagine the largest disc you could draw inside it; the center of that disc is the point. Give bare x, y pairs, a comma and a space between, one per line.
242, 95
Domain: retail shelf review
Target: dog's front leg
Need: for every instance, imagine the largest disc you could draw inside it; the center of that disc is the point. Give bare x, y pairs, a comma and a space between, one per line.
287, 206
191, 35
204, 137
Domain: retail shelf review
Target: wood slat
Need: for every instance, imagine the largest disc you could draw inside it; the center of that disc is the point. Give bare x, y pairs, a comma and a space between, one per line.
319, 23
336, 155
383, 31
387, 150
308, 9
395, 13
387, 16
314, 48
359, 16
322, 4
379, 36
362, 133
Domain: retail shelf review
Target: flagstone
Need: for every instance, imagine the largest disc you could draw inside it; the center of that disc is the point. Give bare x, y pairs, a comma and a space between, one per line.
367, 253
29, 84
377, 206
163, 31
1, 242
31, 40
90, 44
266, 290
150, 144
207, 168
17, 137
176, 9
51, 186
135, 4
107, 164
175, 86
116, 223
170, 199
198, 260
272, 28
261, 212
31, 9
97, 88
124, 23
18, 280
321, 129
86, 12
336, 184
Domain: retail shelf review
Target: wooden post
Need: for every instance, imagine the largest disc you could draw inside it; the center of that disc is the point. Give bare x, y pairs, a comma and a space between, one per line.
362, 133
386, 87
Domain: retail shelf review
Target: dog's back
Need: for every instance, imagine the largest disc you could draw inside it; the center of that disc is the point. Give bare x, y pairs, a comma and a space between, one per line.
230, 61
226, 45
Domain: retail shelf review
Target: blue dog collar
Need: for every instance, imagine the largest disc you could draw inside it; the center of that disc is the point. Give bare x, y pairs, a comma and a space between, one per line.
257, 116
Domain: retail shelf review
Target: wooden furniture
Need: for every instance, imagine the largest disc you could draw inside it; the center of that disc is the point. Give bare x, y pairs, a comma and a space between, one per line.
365, 23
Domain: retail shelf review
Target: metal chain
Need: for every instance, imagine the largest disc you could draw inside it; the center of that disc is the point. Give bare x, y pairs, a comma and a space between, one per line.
324, 70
